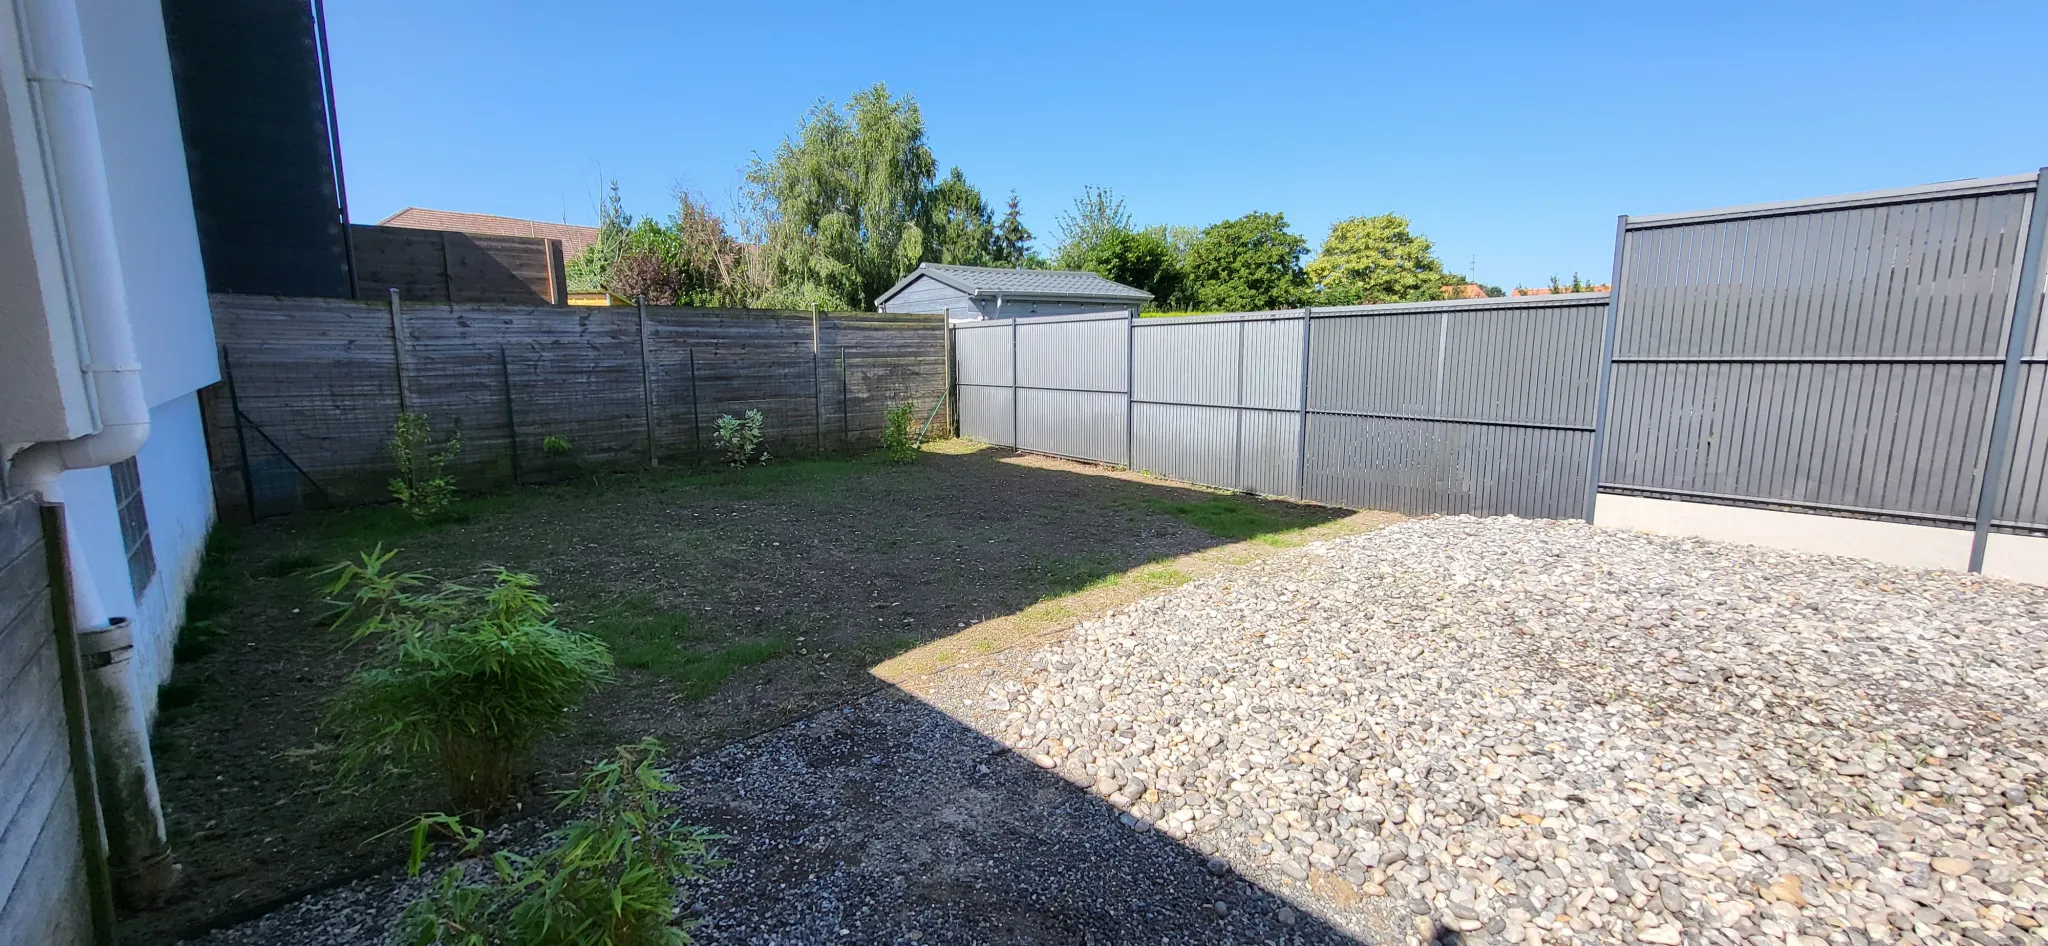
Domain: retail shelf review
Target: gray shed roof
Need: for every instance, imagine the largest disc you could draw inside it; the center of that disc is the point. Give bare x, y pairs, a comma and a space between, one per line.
1022, 283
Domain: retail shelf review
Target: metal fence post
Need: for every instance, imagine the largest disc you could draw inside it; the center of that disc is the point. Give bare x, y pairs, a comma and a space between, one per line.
511, 421
646, 381
227, 374
1605, 388
696, 415
1016, 441
1130, 392
1301, 436
398, 348
1998, 455
1237, 437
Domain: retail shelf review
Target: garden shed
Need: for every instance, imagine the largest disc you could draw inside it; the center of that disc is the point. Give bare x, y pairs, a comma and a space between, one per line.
969, 293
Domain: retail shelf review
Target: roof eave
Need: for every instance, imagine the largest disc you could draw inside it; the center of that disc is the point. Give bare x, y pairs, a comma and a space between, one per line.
1135, 295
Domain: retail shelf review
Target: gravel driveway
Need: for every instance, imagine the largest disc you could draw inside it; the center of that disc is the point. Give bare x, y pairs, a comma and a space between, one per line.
1490, 729
1552, 733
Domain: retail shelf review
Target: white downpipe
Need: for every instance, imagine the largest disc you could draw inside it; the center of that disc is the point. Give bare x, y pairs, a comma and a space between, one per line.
68, 131
54, 54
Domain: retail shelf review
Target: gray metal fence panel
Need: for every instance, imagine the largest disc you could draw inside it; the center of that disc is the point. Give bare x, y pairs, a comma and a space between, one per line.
981, 352
1905, 438
986, 414
1272, 363
1188, 442
1198, 363
1075, 353
1086, 425
1844, 354
1268, 457
1204, 388
1469, 406
2023, 497
1454, 468
1844, 357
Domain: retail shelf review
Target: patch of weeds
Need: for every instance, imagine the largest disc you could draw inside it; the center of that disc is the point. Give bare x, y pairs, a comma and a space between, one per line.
214, 592
700, 673
178, 694
177, 700
197, 639
874, 652
1048, 611
1229, 517
644, 636
347, 531
1063, 576
1164, 576
288, 564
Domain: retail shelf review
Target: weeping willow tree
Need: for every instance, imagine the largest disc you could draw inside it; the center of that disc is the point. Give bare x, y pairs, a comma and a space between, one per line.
853, 201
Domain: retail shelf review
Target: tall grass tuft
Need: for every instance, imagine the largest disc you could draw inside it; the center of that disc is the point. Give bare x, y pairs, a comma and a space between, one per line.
463, 679
607, 879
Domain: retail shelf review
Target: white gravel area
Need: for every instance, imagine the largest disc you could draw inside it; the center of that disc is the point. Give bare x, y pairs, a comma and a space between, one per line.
1539, 732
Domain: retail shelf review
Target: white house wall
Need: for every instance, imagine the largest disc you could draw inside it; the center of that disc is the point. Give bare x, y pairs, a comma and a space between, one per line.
178, 497
151, 195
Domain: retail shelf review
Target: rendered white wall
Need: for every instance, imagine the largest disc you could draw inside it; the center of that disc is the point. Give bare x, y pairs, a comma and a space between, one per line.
2018, 557
177, 489
177, 492
152, 197
1890, 542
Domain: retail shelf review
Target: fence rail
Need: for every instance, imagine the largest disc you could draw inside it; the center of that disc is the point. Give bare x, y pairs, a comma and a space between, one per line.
1878, 355
312, 387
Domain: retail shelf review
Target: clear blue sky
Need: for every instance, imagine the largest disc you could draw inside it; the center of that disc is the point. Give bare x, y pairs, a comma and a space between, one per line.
1509, 131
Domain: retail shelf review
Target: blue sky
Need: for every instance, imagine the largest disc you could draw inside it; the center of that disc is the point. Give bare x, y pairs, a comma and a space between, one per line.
1511, 132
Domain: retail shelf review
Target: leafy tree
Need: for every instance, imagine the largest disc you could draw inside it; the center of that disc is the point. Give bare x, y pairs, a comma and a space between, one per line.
588, 270
1141, 259
1247, 264
1376, 259
1013, 241
688, 260
846, 201
963, 231
1097, 214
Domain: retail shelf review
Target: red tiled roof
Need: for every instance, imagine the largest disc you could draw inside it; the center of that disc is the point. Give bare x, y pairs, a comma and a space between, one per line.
574, 238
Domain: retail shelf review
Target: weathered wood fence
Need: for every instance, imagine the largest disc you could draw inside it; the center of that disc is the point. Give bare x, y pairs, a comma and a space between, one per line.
311, 387
53, 881
446, 266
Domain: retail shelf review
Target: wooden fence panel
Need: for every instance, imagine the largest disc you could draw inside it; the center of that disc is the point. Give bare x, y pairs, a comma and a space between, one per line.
447, 266
44, 895
317, 385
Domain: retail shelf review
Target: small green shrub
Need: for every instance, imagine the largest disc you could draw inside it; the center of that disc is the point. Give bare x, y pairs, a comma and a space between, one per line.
422, 485
607, 879
465, 679
897, 441
556, 446
739, 439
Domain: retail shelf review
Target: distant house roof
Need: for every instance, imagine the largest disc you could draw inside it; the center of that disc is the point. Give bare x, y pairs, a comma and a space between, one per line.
574, 238
1546, 291
1022, 284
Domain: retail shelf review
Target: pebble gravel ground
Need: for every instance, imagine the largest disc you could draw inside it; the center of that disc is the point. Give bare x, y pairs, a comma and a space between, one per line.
1537, 732
1457, 730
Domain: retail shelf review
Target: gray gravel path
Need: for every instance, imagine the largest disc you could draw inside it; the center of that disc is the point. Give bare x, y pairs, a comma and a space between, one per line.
1541, 732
